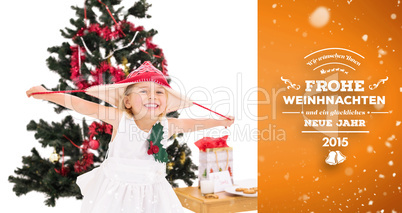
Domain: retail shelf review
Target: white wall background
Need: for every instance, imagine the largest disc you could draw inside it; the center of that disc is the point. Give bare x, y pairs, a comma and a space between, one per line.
210, 45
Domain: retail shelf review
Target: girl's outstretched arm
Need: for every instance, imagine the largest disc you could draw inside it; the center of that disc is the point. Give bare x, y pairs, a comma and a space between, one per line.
98, 111
191, 125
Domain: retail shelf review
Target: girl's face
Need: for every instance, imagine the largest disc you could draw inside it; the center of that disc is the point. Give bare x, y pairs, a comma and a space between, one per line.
146, 99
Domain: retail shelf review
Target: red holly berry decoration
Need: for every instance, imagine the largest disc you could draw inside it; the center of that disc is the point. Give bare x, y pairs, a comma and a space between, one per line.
153, 149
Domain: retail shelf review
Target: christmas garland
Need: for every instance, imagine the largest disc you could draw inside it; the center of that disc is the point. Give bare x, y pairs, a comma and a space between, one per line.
87, 159
105, 32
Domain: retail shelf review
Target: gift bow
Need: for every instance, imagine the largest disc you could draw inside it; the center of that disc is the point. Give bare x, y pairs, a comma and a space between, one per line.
210, 142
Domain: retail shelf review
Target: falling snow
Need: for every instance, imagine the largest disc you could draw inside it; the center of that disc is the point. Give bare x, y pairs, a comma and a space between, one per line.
391, 138
364, 37
348, 171
320, 17
381, 52
370, 149
304, 197
388, 144
286, 176
379, 106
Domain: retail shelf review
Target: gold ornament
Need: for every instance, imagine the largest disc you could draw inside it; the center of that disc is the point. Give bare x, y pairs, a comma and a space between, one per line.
170, 165
54, 157
126, 68
182, 157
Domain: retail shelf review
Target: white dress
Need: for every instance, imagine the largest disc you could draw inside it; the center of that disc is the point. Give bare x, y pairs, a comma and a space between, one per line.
129, 180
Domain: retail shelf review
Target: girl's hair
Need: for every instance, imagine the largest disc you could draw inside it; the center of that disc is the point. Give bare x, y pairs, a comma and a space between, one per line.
127, 92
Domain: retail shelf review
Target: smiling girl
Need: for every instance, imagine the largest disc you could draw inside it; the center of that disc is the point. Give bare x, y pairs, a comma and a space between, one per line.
132, 177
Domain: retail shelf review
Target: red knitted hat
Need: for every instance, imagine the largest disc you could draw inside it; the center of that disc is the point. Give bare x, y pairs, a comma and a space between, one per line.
111, 93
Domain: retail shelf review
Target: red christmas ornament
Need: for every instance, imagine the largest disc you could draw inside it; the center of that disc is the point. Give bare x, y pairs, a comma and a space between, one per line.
94, 144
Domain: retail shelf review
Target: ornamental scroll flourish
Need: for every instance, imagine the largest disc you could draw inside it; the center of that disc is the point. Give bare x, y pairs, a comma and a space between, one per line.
291, 85
374, 86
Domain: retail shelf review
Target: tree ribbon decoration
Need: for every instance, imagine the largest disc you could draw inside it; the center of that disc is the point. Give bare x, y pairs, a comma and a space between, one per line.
63, 170
85, 162
110, 13
110, 54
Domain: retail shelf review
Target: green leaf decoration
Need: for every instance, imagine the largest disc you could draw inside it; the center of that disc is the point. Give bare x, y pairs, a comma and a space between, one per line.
156, 138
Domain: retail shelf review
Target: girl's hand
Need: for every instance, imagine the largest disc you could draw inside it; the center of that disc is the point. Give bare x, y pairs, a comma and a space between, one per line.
226, 122
36, 89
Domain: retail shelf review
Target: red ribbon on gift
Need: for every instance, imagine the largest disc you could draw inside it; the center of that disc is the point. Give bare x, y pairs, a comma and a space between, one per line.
210, 142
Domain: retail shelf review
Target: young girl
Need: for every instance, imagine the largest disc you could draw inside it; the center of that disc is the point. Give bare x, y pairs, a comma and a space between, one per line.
132, 177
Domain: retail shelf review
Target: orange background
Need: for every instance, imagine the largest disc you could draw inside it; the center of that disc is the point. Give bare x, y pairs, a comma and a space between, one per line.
293, 175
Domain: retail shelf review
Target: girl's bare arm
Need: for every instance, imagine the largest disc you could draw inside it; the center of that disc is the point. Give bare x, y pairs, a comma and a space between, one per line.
191, 125
103, 113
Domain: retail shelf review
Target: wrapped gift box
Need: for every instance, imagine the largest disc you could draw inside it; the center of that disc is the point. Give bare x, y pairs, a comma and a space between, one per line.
215, 156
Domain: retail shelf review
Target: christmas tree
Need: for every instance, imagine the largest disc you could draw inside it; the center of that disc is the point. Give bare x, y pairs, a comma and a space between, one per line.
102, 49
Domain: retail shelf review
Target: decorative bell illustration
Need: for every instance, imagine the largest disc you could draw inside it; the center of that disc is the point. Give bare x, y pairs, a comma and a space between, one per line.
331, 158
335, 157
340, 157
